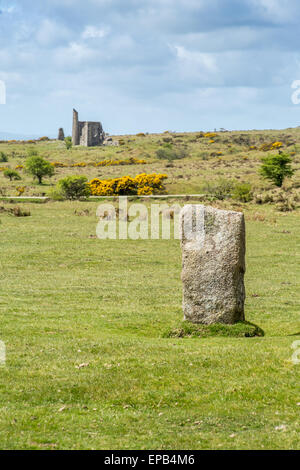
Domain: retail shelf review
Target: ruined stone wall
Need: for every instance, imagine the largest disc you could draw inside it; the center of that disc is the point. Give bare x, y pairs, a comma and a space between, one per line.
95, 133
87, 134
91, 134
83, 134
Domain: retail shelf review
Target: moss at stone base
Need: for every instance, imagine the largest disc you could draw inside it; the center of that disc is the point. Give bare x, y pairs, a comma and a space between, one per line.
191, 330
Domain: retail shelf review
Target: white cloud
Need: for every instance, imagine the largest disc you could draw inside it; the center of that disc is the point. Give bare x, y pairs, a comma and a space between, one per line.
73, 55
278, 11
115, 55
205, 61
92, 32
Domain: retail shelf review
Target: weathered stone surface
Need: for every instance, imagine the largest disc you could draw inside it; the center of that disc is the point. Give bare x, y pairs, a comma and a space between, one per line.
213, 265
61, 134
86, 133
110, 142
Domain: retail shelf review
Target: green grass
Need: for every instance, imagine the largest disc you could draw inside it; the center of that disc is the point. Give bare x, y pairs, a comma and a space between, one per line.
185, 176
238, 330
87, 366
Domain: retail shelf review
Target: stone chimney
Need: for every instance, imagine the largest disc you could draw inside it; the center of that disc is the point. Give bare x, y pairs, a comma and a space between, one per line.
61, 134
75, 132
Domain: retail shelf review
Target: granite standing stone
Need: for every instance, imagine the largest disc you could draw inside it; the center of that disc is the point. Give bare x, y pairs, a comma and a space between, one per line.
213, 245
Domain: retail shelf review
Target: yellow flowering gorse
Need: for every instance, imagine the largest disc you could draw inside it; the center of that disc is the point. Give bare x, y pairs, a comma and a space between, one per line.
140, 185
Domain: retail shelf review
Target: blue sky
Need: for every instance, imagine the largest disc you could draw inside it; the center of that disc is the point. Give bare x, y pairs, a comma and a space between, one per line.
149, 65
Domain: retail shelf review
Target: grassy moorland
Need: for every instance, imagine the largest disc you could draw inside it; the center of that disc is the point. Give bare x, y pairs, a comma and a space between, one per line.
228, 155
83, 320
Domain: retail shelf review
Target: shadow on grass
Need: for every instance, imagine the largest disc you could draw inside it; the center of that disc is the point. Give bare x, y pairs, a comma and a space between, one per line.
191, 330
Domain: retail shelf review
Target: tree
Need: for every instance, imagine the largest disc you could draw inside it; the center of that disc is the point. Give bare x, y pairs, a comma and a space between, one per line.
12, 175
38, 167
277, 167
74, 187
68, 142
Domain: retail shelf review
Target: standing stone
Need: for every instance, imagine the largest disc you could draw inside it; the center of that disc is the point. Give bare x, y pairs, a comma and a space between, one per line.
213, 244
61, 134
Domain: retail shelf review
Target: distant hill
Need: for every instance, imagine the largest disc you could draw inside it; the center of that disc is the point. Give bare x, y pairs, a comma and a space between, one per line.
11, 136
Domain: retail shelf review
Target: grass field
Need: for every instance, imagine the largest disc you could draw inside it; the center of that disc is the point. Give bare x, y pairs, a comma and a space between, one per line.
229, 155
87, 366
84, 320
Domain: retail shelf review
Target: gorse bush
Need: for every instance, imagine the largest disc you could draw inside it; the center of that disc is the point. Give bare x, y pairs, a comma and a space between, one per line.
140, 185
276, 168
271, 146
20, 190
128, 161
210, 135
59, 165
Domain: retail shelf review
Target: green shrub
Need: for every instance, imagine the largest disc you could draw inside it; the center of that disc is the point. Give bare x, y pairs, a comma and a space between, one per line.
56, 194
3, 157
31, 152
74, 187
276, 168
220, 189
38, 167
19, 212
233, 150
68, 142
284, 200
288, 205
167, 152
16, 211
242, 192
12, 175
203, 155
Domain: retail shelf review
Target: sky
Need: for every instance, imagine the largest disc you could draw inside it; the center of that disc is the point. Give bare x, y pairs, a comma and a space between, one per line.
149, 65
